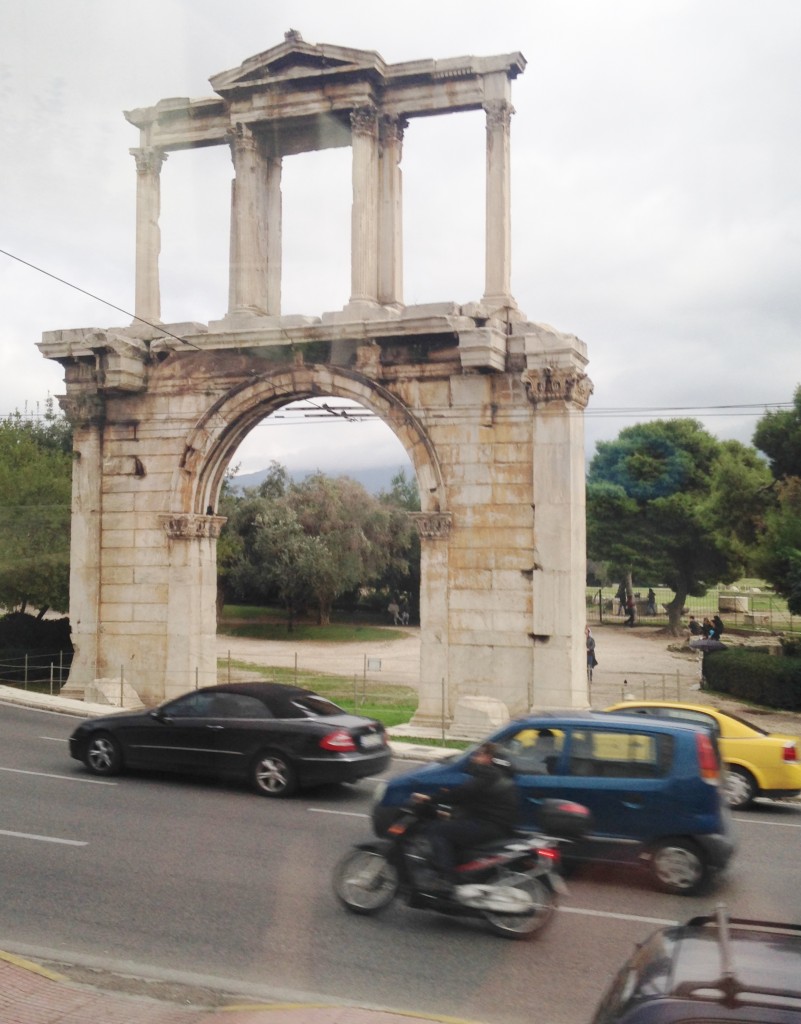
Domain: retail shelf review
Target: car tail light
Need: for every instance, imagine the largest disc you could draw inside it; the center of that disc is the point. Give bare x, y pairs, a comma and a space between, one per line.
339, 740
790, 753
707, 759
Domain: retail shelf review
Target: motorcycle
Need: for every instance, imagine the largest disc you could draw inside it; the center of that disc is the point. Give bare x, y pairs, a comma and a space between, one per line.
513, 883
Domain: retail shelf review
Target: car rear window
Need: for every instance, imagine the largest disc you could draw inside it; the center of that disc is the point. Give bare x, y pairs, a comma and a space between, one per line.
315, 707
619, 754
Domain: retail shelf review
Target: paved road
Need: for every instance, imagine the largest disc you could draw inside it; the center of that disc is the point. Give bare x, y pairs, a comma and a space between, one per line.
167, 877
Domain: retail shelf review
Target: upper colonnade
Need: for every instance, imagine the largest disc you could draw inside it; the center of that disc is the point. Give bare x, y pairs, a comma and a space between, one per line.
299, 97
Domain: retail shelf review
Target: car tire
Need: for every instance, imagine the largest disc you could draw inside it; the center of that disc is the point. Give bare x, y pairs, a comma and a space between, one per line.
739, 787
678, 867
103, 754
272, 774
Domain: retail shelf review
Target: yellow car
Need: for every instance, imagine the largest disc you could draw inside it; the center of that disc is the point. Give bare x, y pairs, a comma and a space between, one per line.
758, 763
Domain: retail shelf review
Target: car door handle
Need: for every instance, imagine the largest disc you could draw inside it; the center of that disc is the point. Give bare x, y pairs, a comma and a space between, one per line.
215, 726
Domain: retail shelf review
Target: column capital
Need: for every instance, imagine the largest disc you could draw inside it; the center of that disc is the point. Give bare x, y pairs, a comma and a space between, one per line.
148, 161
499, 114
557, 383
84, 409
391, 128
364, 121
241, 138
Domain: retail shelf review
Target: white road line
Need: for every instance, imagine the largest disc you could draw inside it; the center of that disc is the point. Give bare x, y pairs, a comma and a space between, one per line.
662, 921
65, 778
773, 824
344, 814
54, 739
42, 839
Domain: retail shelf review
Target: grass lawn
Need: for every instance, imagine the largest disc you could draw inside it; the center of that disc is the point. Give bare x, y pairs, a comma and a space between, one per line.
270, 624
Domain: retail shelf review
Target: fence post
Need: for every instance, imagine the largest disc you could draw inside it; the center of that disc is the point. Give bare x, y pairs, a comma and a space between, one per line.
601, 605
122, 682
60, 670
229, 665
51, 678
443, 709
25, 677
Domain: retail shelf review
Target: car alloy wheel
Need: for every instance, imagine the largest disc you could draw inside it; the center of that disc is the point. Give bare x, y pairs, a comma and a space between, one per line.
739, 787
103, 754
677, 867
273, 775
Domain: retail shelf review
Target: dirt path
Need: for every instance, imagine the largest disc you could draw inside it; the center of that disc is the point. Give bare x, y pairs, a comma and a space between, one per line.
636, 661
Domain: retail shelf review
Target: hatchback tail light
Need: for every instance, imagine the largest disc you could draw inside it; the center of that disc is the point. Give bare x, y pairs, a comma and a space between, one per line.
340, 740
790, 752
707, 759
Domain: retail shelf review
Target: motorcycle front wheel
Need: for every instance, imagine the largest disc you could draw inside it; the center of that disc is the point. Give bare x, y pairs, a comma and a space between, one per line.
531, 921
365, 882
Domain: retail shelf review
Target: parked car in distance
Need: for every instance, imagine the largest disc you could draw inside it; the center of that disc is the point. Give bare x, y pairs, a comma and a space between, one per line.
652, 788
710, 969
757, 763
274, 736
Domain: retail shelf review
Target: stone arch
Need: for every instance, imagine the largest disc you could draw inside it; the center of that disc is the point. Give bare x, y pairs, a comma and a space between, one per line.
212, 442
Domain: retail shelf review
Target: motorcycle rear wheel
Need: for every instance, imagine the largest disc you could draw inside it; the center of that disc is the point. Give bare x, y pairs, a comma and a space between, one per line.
534, 921
365, 882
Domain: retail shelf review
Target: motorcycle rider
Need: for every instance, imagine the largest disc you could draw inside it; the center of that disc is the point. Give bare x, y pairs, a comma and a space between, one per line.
485, 807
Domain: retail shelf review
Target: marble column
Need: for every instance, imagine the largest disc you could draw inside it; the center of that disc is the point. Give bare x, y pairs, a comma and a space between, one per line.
390, 212
497, 291
255, 264
148, 233
364, 211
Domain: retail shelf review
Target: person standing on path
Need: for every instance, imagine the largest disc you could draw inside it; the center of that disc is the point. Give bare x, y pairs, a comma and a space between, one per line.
592, 661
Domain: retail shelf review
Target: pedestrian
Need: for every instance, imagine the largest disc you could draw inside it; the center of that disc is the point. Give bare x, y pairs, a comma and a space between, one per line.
717, 627
707, 628
651, 601
695, 626
621, 598
592, 661
630, 610
394, 610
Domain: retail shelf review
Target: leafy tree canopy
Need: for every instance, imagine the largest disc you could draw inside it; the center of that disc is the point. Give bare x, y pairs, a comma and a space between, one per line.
778, 435
308, 543
35, 500
669, 503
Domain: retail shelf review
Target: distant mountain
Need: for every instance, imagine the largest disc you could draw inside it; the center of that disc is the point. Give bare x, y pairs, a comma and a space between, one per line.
373, 480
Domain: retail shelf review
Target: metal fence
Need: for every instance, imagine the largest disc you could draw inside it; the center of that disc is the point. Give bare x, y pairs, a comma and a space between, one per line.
752, 609
45, 673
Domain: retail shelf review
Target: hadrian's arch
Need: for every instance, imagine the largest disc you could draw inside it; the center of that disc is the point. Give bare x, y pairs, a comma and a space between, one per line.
488, 404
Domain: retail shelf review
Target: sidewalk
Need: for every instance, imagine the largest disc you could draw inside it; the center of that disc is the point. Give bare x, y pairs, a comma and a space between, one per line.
33, 994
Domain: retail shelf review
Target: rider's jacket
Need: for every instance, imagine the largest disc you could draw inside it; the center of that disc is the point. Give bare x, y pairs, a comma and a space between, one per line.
490, 795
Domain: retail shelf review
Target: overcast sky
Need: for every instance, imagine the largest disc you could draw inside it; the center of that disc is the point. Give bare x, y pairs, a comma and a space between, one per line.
656, 190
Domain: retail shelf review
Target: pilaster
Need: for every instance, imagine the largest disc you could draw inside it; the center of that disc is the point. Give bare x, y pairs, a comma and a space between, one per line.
498, 258
364, 211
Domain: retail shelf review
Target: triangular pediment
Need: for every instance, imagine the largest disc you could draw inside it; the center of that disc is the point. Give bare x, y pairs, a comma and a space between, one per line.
294, 59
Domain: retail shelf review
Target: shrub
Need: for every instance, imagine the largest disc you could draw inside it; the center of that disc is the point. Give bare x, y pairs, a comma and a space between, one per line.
773, 682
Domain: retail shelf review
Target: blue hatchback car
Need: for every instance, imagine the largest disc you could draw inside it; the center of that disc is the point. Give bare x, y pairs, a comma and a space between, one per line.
653, 788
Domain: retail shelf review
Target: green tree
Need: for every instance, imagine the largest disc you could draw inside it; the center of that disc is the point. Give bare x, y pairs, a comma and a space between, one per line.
355, 532
668, 502
778, 435
35, 502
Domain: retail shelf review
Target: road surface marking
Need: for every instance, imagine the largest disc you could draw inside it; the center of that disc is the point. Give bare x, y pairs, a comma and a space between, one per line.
42, 839
617, 917
344, 814
66, 778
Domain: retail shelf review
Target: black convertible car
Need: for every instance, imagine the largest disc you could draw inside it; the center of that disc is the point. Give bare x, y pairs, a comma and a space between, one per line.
277, 737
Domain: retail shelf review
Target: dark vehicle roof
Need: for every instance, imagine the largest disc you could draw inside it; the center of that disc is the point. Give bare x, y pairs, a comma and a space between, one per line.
280, 698
715, 960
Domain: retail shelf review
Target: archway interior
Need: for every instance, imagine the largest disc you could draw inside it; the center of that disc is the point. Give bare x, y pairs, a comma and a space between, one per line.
328, 434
